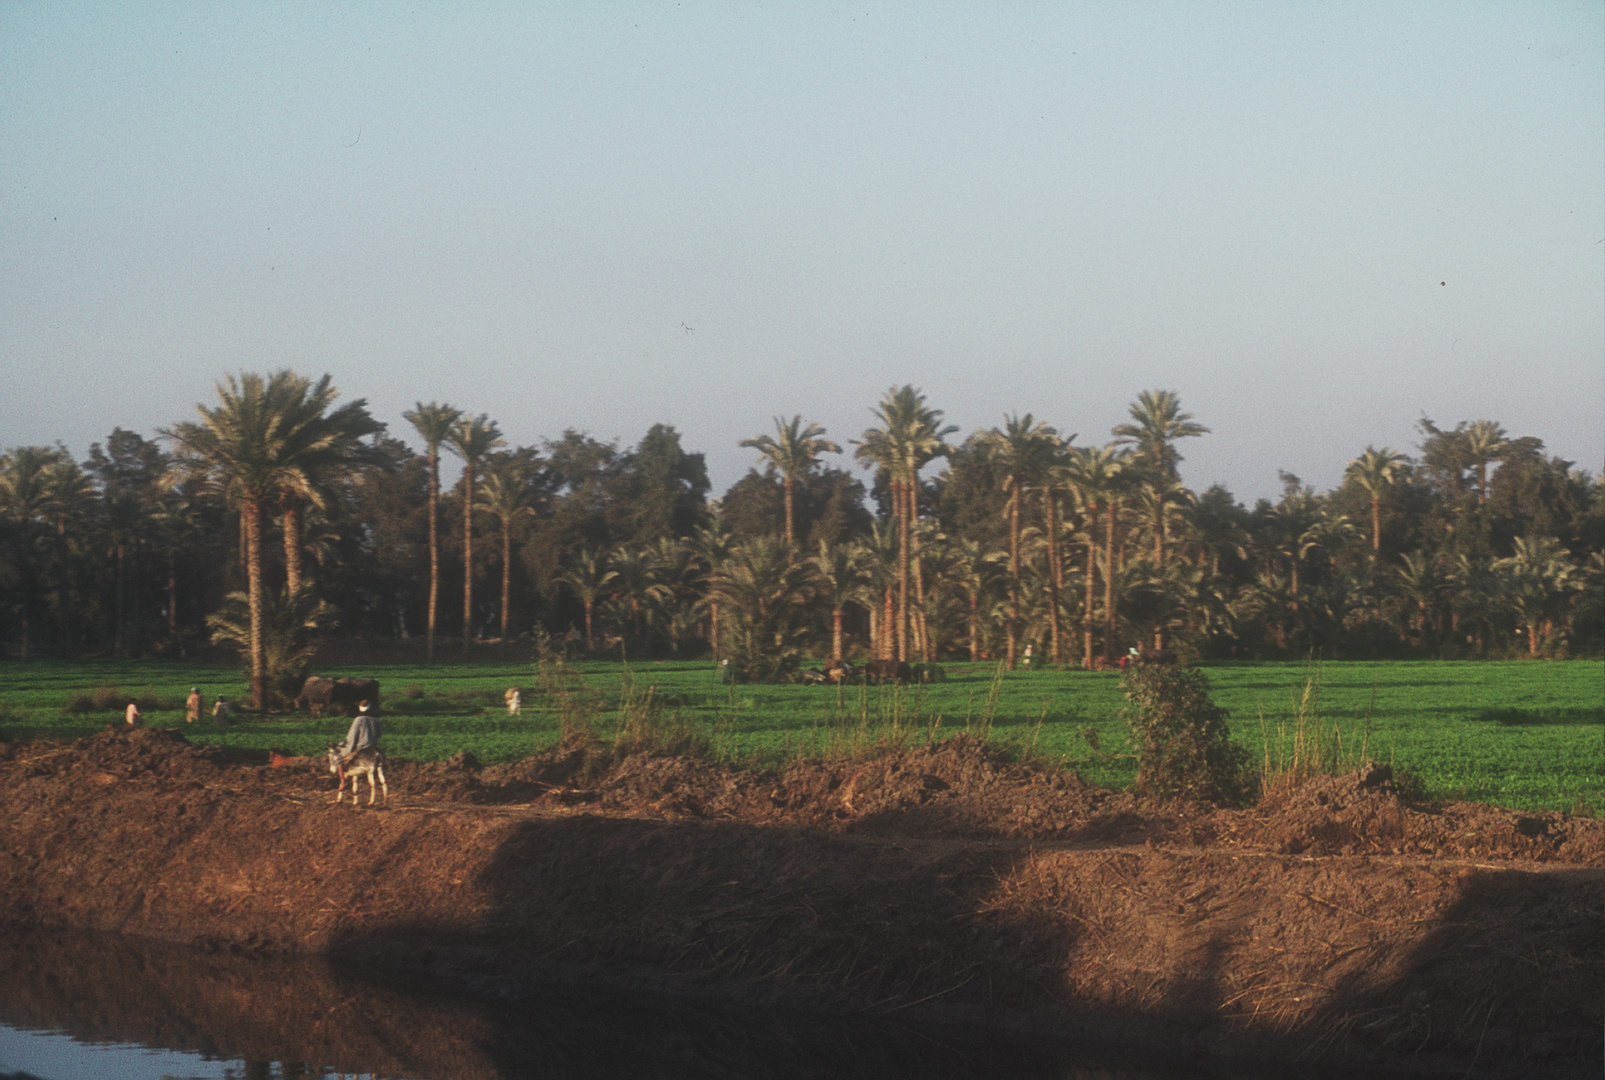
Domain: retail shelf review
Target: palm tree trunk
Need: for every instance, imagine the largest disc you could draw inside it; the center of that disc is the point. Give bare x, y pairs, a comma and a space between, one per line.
588, 604
889, 635
902, 569
468, 554
117, 636
292, 548
172, 596
251, 518
975, 625
1111, 511
836, 634
791, 536
507, 555
1055, 573
921, 627
434, 545
1014, 569
1086, 604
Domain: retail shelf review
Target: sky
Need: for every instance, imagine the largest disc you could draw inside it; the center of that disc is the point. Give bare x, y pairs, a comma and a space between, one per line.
1316, 223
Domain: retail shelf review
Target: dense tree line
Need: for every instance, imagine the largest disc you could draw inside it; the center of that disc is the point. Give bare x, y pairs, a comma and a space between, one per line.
280, 515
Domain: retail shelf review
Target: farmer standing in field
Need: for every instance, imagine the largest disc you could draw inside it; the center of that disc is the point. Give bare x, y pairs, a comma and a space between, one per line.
364, 733
192, 705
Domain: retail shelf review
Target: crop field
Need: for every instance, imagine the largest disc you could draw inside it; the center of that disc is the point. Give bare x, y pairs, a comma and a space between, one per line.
1517, 734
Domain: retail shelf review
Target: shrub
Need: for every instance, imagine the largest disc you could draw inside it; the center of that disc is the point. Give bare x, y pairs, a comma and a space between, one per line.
1182, 746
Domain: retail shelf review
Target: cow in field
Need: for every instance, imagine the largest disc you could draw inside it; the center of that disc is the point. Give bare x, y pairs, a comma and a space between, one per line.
888, 670
318, 694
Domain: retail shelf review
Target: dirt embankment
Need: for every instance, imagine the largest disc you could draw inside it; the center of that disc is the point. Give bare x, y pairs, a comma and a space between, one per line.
1337, 922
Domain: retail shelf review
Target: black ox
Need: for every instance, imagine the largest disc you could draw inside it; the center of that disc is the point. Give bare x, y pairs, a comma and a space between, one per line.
318, 694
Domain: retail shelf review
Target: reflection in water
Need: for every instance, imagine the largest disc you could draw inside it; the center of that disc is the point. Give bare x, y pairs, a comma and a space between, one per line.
239, 1018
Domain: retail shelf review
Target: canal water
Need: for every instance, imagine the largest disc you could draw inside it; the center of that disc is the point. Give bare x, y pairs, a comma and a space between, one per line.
77, 1007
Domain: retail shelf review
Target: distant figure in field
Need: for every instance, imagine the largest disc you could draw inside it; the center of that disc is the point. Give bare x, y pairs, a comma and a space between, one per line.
364, 733
221, 712
192, 705
131, 714
515, 701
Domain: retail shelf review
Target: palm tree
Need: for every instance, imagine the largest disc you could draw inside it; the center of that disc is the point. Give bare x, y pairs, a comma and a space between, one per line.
587, 577
1533, 584
1485, 442
974, 569
506, 494
910, 436
1023, 450
765, 592
792, 450
635, 581
1095, 476
313, 446
840, 572
712, 544
236, 446
1159, 422
471, 439
434, 424
1375, 471
31, 501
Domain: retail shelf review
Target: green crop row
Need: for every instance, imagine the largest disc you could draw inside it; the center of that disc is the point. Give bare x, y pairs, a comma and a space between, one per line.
1523, 735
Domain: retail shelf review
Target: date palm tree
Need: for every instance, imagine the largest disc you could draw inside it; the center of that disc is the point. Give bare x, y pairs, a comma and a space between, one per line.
1534, 583
1096, 476
1158, 423
314, 446
471, 438
265, 438
1375, 471
911, 435
712, 544
1485, 443
792, 450
506, 495
434, 423
1023, 450
840, 573
588, 578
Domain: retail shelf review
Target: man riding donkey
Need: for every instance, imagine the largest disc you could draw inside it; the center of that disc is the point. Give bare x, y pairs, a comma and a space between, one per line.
360, 753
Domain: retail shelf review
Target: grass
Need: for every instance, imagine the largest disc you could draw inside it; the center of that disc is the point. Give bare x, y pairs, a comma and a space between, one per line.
1517, 734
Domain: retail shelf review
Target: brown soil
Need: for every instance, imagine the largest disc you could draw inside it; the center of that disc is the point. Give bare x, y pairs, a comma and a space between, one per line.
1334, 922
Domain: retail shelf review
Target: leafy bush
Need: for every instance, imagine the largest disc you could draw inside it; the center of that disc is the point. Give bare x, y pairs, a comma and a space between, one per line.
289, 628
1183, 747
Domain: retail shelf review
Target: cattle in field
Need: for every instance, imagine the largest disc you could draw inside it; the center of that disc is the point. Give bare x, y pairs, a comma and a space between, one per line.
893, 670
813, 677
841, 671
1148, 658
318, 694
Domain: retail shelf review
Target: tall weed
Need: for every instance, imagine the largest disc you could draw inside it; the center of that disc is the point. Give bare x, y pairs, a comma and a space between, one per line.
1307, 743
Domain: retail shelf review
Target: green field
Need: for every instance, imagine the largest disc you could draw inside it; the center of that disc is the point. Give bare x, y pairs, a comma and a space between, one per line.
1523, 735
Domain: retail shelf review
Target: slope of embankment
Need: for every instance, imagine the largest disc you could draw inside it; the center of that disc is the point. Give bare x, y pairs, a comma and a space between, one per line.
1339, 924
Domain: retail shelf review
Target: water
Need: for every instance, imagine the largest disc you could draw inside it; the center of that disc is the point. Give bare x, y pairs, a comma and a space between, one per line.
78, 1007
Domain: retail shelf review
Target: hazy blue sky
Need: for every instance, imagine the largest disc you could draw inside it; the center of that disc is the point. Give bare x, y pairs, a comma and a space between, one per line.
1316, 223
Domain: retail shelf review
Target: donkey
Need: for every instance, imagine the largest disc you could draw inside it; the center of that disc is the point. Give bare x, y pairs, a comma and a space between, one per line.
369, 762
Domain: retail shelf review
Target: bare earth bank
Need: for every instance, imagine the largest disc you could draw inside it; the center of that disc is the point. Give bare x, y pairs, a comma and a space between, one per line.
1337, 924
